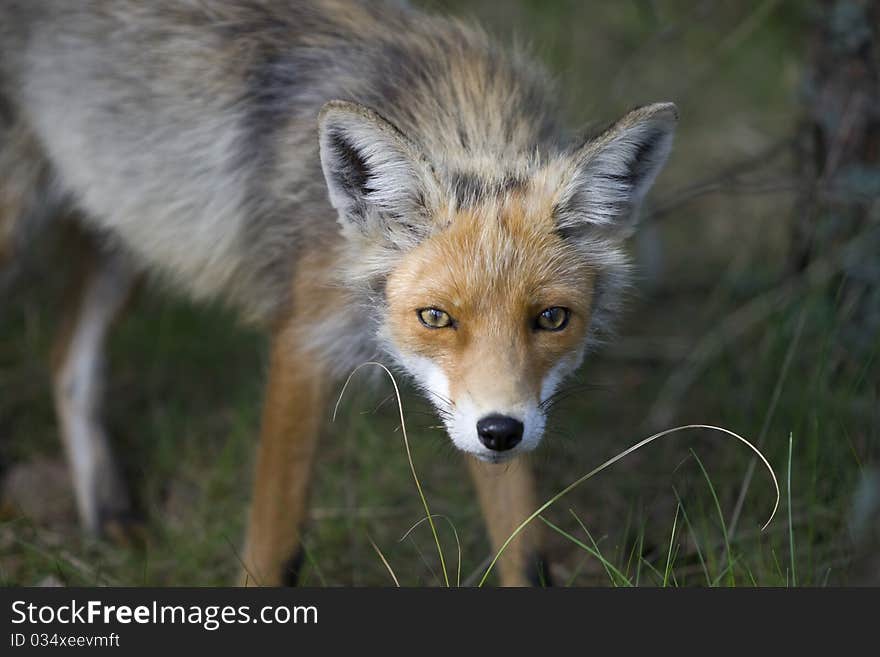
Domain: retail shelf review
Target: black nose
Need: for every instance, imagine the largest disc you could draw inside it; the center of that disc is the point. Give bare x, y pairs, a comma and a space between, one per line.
500, 432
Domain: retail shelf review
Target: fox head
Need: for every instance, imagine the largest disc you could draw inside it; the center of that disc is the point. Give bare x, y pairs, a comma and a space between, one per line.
493, 278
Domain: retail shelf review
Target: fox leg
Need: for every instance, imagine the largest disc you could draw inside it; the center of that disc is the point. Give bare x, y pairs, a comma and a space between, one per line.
291, 423
97, 298
507, 497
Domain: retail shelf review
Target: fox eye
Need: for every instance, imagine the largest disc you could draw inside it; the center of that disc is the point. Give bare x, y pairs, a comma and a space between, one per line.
434, 318
553, 319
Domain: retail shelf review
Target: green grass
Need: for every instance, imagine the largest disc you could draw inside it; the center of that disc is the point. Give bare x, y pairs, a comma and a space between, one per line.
185, 389
658, 519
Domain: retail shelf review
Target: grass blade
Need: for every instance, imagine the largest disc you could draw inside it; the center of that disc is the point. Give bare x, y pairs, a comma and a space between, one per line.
731, 578
687, 522
614, 460
385, 561
790, 525
610, 568
454, 533
605, 564
669, 559
412, 466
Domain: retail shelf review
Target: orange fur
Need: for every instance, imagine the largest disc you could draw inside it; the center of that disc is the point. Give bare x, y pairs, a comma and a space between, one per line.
293, 415
507, 497
494, 269
287, 448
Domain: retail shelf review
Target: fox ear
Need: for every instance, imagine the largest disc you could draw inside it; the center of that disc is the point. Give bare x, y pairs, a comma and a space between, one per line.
613, 172
376, 177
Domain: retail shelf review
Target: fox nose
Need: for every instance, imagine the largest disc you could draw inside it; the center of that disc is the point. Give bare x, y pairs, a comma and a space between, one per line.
499, 432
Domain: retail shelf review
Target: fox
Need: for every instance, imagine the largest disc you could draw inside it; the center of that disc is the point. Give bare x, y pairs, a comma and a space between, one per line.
362, 181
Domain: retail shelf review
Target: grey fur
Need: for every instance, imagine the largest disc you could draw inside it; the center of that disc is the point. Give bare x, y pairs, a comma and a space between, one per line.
256, 150
188, 129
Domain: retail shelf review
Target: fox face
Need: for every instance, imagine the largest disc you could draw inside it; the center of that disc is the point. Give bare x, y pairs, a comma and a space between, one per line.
489, 316
490, 280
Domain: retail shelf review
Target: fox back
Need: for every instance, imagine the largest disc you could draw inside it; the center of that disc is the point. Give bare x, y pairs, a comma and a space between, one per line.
416, 174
